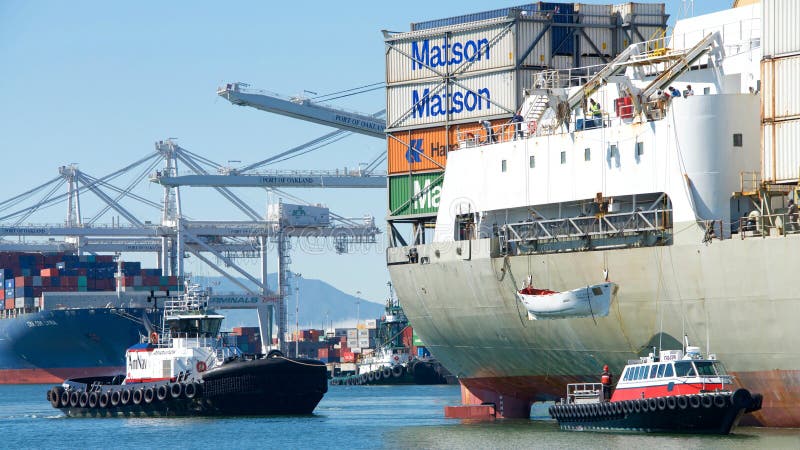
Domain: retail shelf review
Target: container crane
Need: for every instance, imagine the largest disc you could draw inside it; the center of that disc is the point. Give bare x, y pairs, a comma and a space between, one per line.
305, 109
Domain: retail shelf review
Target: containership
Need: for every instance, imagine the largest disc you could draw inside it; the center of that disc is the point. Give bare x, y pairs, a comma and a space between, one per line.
68, 316
669, 168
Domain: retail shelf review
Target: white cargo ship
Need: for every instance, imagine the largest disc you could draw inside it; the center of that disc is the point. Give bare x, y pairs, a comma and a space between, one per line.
682, 202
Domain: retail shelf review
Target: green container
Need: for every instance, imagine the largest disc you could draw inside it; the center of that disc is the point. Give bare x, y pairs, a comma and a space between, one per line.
163, 281
82, 281
415, 194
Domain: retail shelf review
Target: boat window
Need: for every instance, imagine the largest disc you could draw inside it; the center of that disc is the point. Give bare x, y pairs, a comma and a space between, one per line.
705, 368
668, 372
597, 291
532, 162
661, 368
684, 369
627, 375
640, 374
653, 370
720, 368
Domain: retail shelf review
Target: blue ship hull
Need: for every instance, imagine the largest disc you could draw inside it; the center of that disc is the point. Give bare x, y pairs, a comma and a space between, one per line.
50, 346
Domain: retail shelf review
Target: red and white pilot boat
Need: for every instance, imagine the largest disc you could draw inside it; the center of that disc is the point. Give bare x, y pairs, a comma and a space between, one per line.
675, 393
186, 369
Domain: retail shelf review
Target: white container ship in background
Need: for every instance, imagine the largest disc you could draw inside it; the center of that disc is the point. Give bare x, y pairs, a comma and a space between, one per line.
681, 202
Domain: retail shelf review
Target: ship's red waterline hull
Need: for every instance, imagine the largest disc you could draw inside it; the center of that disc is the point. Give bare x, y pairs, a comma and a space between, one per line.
55, 375
512, 396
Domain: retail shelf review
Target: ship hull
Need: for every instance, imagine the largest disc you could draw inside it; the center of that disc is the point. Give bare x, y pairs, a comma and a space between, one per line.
734, 296
51, 346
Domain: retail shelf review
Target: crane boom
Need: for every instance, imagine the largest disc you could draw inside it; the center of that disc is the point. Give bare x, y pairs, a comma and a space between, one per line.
304, 109
330, 180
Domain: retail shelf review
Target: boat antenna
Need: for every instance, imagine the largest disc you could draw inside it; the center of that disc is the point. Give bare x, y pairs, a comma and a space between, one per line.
685, 342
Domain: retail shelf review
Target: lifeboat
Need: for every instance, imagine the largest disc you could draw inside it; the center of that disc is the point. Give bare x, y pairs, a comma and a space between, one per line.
588, 301
674, 393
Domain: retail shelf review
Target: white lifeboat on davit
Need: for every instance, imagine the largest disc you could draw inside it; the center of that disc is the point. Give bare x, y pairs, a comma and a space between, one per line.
588, 301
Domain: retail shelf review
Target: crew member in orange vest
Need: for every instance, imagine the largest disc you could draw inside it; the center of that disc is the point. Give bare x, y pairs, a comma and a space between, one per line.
607, 379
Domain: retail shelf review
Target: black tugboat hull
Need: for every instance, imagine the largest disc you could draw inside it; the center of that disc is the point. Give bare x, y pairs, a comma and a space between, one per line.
698, 414
270, 386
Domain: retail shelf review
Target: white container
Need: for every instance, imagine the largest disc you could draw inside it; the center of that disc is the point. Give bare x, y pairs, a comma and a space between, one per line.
363, 333
780, 88
600, 37
352, 334
488, 45
779, 27
299, 215
371, 323
363, 343
781, 151
641, 13
466, 48
430, 103
562, 62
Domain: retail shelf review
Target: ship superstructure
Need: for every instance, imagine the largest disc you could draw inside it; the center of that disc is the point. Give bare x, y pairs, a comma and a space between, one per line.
669, 197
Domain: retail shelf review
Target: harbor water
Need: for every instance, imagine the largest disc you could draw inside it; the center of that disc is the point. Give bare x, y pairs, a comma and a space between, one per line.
396, 417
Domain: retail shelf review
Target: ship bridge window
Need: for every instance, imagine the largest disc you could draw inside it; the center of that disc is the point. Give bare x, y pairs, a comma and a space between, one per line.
532, 162
563, 157
503, 165
587, 154
685, 369
195, 327
653, 370
661, 368
705, 368
627, 375
668, 372
737, 139
641, 372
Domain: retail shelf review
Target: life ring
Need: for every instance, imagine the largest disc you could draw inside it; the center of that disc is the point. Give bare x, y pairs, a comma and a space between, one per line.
201, 366
396, 358
154, 338
532, 127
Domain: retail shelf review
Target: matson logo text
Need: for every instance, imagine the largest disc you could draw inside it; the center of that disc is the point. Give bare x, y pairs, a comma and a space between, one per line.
426, 55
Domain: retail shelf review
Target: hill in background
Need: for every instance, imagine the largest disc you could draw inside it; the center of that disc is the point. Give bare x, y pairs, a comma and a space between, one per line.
319, 301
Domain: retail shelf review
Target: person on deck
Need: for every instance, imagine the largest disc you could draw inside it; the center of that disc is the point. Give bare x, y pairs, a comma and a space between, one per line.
607, 380
517, 121
490, 137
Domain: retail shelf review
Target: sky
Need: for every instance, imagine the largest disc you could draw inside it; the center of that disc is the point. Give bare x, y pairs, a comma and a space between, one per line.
97, 83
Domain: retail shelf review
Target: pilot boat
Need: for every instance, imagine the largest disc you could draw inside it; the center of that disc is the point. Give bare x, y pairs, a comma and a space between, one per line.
673, 393
186, 369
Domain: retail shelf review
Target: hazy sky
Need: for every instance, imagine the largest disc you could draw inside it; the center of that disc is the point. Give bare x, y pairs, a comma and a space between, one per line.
97, 83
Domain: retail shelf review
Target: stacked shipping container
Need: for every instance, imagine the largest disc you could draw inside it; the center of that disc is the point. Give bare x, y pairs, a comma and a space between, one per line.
780, 96
26, 277
446, 74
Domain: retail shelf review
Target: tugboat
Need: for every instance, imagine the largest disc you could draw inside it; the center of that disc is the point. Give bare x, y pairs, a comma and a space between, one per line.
392, 361
676, 393
187, 370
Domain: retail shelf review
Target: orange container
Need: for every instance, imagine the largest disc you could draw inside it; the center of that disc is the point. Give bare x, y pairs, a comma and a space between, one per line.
426, 149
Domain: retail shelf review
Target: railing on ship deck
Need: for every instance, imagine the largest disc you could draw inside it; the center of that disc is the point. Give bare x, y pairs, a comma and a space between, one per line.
593, 226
